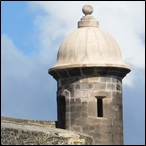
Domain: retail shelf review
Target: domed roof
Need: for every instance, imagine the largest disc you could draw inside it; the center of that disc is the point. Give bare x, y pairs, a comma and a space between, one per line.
89, 46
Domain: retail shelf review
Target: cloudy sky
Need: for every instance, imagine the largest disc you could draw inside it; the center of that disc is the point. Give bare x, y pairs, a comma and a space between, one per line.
31, 33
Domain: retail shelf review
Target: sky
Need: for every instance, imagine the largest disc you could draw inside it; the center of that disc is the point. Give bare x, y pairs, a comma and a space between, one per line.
31, 34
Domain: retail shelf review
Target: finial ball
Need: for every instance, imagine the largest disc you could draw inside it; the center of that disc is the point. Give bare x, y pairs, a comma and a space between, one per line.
87, 9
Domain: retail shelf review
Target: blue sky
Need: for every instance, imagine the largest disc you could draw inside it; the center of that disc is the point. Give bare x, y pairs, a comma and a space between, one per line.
31, 33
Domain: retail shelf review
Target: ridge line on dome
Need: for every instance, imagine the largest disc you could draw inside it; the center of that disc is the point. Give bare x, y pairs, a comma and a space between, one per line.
102, 32
75, 44
70, 40
115, 43
97, 42
87, 58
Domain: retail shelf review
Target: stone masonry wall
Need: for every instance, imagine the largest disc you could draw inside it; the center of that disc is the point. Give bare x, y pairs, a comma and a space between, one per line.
21, 132
81, 96
51, 124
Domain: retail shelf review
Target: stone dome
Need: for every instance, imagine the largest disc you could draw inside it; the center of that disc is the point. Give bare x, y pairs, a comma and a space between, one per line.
89, 46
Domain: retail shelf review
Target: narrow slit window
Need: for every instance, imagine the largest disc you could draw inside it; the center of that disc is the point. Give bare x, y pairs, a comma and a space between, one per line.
61, 111
99, 107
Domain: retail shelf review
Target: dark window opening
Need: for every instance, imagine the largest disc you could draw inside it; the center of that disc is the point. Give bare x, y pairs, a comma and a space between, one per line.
61, 111
99, 107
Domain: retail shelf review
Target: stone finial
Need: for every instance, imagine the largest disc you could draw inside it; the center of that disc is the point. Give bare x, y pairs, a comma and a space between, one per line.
87, 9
88, 20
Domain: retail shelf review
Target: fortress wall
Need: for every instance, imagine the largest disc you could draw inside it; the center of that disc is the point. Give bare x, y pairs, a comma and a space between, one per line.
32, 132
29, 122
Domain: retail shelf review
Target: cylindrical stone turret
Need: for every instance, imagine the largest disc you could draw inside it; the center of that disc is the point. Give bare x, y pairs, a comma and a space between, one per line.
89, 72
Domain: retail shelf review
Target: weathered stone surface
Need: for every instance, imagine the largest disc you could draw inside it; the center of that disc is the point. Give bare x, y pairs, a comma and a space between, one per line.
78, 101
106, 79
28, 122
100, 86
92, 108
94, 79
73, 109
118, 87
115, 80
78, 108
84, 115
110, 86
17, 133
81, 93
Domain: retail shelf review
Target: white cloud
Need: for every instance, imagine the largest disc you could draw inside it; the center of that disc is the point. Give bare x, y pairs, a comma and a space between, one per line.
22, 77
123, 20
10, 57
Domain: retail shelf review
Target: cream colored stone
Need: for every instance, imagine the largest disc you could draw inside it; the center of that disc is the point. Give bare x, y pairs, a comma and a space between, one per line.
87, 9
73, 141
89, 46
